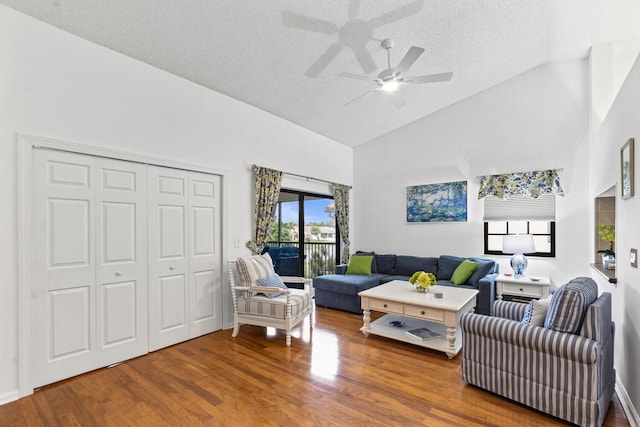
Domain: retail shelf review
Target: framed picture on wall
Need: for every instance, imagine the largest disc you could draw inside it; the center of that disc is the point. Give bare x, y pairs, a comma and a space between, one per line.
626, 169
444, 202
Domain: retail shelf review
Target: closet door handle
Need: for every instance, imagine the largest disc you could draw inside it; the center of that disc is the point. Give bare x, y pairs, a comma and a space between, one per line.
118, 273
172, 267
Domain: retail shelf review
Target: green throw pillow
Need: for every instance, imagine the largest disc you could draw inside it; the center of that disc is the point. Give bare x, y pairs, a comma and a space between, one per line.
463, 272
360, 264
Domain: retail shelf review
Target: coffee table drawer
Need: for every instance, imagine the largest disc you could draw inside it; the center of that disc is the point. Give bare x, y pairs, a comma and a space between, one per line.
522, 289
424, 313
386, 306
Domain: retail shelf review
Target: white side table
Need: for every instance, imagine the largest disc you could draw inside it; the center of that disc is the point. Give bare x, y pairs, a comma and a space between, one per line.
526, 286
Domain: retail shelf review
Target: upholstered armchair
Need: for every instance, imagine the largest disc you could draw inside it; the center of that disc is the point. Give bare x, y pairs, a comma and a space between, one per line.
262, 298
563, 366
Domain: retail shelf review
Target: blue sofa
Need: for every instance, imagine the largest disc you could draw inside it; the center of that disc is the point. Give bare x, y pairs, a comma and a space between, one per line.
340, 290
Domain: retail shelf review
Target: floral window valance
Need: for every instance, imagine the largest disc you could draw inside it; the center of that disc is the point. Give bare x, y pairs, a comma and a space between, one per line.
532, 184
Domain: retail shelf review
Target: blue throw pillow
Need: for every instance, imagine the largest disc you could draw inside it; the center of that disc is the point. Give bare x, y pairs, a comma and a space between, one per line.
272, 282
484, 267
447, 264
386, 264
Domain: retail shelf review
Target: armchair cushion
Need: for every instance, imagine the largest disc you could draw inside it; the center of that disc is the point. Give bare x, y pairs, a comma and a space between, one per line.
261, 305
272, 282
569, 305
252, 268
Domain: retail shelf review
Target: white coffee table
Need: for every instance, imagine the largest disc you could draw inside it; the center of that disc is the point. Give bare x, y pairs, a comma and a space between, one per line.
402, 303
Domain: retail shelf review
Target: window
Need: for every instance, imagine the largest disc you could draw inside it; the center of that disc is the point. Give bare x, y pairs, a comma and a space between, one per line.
520, 215
311, 216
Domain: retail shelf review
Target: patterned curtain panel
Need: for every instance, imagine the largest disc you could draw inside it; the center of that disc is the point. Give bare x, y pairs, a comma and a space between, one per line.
532, 184
267, 192
341, 198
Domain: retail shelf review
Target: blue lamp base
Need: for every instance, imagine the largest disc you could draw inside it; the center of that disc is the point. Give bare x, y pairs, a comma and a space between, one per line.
519, 264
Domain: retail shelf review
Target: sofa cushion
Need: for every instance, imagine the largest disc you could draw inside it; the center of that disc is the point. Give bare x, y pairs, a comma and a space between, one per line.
485, 266
374, 267
407, 265
463, 272
347, 284
447, 264
360, 264
569, 304
386, 264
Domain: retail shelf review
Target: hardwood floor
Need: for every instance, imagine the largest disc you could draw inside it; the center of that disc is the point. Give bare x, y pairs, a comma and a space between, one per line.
330, 376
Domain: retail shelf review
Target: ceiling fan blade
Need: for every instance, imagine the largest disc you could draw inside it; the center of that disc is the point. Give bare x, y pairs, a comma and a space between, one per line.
412, 56
354, 8
357, 98
397, 14
364, 58
296, 20
357, 77
324, 60
431, 78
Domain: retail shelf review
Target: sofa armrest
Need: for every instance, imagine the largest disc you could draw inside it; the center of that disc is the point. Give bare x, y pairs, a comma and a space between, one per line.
341, 269
505, 333
486, 294
509, 310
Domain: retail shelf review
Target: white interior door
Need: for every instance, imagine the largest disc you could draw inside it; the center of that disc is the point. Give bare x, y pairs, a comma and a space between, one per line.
185, 276
168, 262
89, 278
121, 255
205, 284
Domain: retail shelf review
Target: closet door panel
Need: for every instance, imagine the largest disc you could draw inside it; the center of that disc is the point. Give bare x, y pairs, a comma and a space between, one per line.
121, 240
204, 255
63, 274
168, 262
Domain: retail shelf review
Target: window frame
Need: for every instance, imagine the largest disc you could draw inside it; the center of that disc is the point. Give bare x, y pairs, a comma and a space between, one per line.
552, 237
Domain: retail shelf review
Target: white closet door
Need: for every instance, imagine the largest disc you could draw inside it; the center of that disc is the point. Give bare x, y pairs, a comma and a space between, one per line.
205, 273
84, 316
121, 254
185, 276
168, 262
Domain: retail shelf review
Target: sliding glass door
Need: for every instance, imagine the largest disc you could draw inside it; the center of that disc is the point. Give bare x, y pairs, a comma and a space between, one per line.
304, 237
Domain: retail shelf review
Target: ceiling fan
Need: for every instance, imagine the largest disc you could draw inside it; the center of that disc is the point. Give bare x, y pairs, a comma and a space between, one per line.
390, 79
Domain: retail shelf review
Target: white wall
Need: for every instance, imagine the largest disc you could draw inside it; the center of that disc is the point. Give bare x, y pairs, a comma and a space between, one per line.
57, 85
622, 123
537, 120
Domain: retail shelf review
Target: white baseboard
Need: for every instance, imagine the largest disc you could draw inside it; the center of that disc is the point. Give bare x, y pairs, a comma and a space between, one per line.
9, 397
629, 410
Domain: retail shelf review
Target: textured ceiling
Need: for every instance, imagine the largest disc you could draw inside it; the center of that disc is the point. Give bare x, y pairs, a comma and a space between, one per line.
286, 56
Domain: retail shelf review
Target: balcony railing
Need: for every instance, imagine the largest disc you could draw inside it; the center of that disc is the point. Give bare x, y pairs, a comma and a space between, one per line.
319, 257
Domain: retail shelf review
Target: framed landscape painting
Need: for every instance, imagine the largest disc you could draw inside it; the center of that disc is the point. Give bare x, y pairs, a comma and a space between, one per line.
445, 202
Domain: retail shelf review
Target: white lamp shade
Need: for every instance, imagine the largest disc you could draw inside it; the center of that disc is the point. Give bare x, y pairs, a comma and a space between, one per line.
518, 244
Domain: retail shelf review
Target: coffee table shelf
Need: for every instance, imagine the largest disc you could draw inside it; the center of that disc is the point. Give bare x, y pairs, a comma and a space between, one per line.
383, 328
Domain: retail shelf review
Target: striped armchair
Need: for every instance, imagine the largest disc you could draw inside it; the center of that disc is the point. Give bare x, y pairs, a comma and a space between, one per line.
566, 375
263, 299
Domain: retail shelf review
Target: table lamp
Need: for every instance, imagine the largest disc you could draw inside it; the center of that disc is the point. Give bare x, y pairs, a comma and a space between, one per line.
518, 245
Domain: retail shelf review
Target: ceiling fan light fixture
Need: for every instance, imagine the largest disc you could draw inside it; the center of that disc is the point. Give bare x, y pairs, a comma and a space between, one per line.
390, 86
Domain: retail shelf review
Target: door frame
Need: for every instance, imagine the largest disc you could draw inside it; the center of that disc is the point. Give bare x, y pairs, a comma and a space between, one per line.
26, 143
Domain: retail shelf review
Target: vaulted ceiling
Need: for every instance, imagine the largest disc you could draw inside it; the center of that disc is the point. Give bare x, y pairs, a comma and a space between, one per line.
286, 56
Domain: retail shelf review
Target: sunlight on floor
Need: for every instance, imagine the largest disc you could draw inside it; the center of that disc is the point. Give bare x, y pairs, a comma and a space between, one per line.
325, 354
